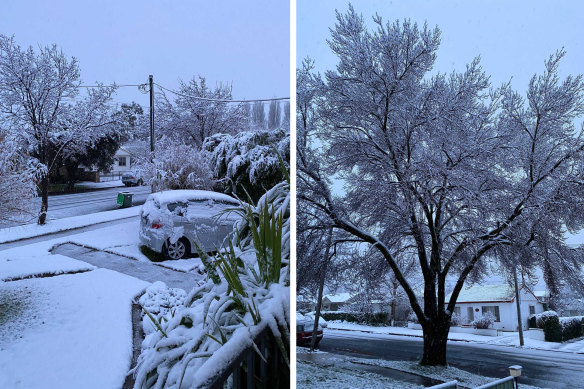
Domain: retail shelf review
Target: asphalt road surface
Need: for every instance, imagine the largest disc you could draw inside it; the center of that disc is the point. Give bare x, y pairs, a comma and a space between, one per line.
91, 202
546, 369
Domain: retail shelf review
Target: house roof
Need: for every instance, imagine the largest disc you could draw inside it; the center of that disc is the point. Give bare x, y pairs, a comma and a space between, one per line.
338, 298
484, 293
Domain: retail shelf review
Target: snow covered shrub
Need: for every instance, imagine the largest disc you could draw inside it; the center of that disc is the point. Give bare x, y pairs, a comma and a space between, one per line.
159, 303
248, 161
484, 321
541, 318
552, 329
455, 319
413, 318
247, 291
571, 327
176, 166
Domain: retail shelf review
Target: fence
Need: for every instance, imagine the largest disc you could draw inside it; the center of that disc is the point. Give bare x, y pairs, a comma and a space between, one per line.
503, 383
111, 176
250, 370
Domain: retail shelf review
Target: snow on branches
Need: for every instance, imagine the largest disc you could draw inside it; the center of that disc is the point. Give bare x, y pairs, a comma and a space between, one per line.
248, 160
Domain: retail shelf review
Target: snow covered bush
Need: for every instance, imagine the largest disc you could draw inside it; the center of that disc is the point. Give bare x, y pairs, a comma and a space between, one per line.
484, 321
158, 303
247, 291
248, 161
541, 318
455, 319
571, 327
176, 166
552, 329
413, 318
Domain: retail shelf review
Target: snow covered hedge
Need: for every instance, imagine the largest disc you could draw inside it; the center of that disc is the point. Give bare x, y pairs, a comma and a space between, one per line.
248, 161
247, 291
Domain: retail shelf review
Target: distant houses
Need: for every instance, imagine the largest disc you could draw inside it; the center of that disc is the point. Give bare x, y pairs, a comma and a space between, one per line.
475, 301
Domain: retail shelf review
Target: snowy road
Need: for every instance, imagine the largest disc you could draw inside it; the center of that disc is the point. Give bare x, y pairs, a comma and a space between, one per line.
91, 202
540, 368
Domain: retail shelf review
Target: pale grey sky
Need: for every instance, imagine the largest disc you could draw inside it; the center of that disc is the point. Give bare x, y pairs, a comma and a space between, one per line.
243, 43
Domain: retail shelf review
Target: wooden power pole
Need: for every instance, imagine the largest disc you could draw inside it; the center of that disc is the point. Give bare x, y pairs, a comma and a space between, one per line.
518, 308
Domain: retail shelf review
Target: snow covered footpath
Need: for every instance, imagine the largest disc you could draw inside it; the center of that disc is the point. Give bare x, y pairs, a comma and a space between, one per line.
69, 331
326, 370
11, 234
507, 339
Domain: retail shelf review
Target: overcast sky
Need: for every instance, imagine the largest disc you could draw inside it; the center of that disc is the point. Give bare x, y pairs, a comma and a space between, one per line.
243, 43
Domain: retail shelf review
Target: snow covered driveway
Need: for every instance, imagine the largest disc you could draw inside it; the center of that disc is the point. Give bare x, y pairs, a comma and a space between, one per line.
67, 331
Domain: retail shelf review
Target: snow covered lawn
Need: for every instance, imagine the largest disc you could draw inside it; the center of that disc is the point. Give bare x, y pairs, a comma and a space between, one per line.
68, 331
31, 230
507, 339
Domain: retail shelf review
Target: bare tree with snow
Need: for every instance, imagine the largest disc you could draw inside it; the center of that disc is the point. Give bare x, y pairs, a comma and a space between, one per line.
199, 111
443, 168
37, 98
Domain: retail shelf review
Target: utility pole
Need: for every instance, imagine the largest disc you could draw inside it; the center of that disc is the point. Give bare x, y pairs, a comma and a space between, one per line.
518, 307
321, 287
151, 82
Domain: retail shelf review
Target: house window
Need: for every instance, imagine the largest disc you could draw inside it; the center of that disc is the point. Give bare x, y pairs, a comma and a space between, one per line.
532, 310
494, 309
457, 311
121, 161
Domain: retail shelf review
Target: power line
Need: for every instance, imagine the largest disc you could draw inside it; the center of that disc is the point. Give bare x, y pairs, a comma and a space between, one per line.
104, 86
220, 100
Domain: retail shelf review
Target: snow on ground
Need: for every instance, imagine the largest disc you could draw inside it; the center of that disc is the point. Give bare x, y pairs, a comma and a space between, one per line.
107, 184
507, 339
30, 230
324, 370
68, 331
31, 266
312, 376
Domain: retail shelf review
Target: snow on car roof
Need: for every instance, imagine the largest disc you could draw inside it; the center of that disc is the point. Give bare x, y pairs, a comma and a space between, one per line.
183, 195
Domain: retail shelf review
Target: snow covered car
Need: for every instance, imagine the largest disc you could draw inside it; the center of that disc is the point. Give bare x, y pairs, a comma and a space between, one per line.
171, 222
321, 322
304, 329
132, 179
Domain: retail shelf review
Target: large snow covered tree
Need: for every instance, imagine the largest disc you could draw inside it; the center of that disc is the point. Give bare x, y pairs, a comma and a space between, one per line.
196, 114
37, 99
443, 168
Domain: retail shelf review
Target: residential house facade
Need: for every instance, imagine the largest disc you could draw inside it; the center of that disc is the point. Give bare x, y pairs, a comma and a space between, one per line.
475, 301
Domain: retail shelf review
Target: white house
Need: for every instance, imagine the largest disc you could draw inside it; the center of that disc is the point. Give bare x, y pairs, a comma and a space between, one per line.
334, 302
477, 300
122, 161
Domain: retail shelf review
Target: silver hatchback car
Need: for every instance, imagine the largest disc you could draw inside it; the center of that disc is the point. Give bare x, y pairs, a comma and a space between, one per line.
171, 222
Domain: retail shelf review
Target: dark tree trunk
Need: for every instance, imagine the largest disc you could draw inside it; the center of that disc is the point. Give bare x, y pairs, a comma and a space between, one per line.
435, 339
44, 186
71, 177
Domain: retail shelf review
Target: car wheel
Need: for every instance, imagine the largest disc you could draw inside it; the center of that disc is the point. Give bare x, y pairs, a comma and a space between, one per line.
176, 250
127, 183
